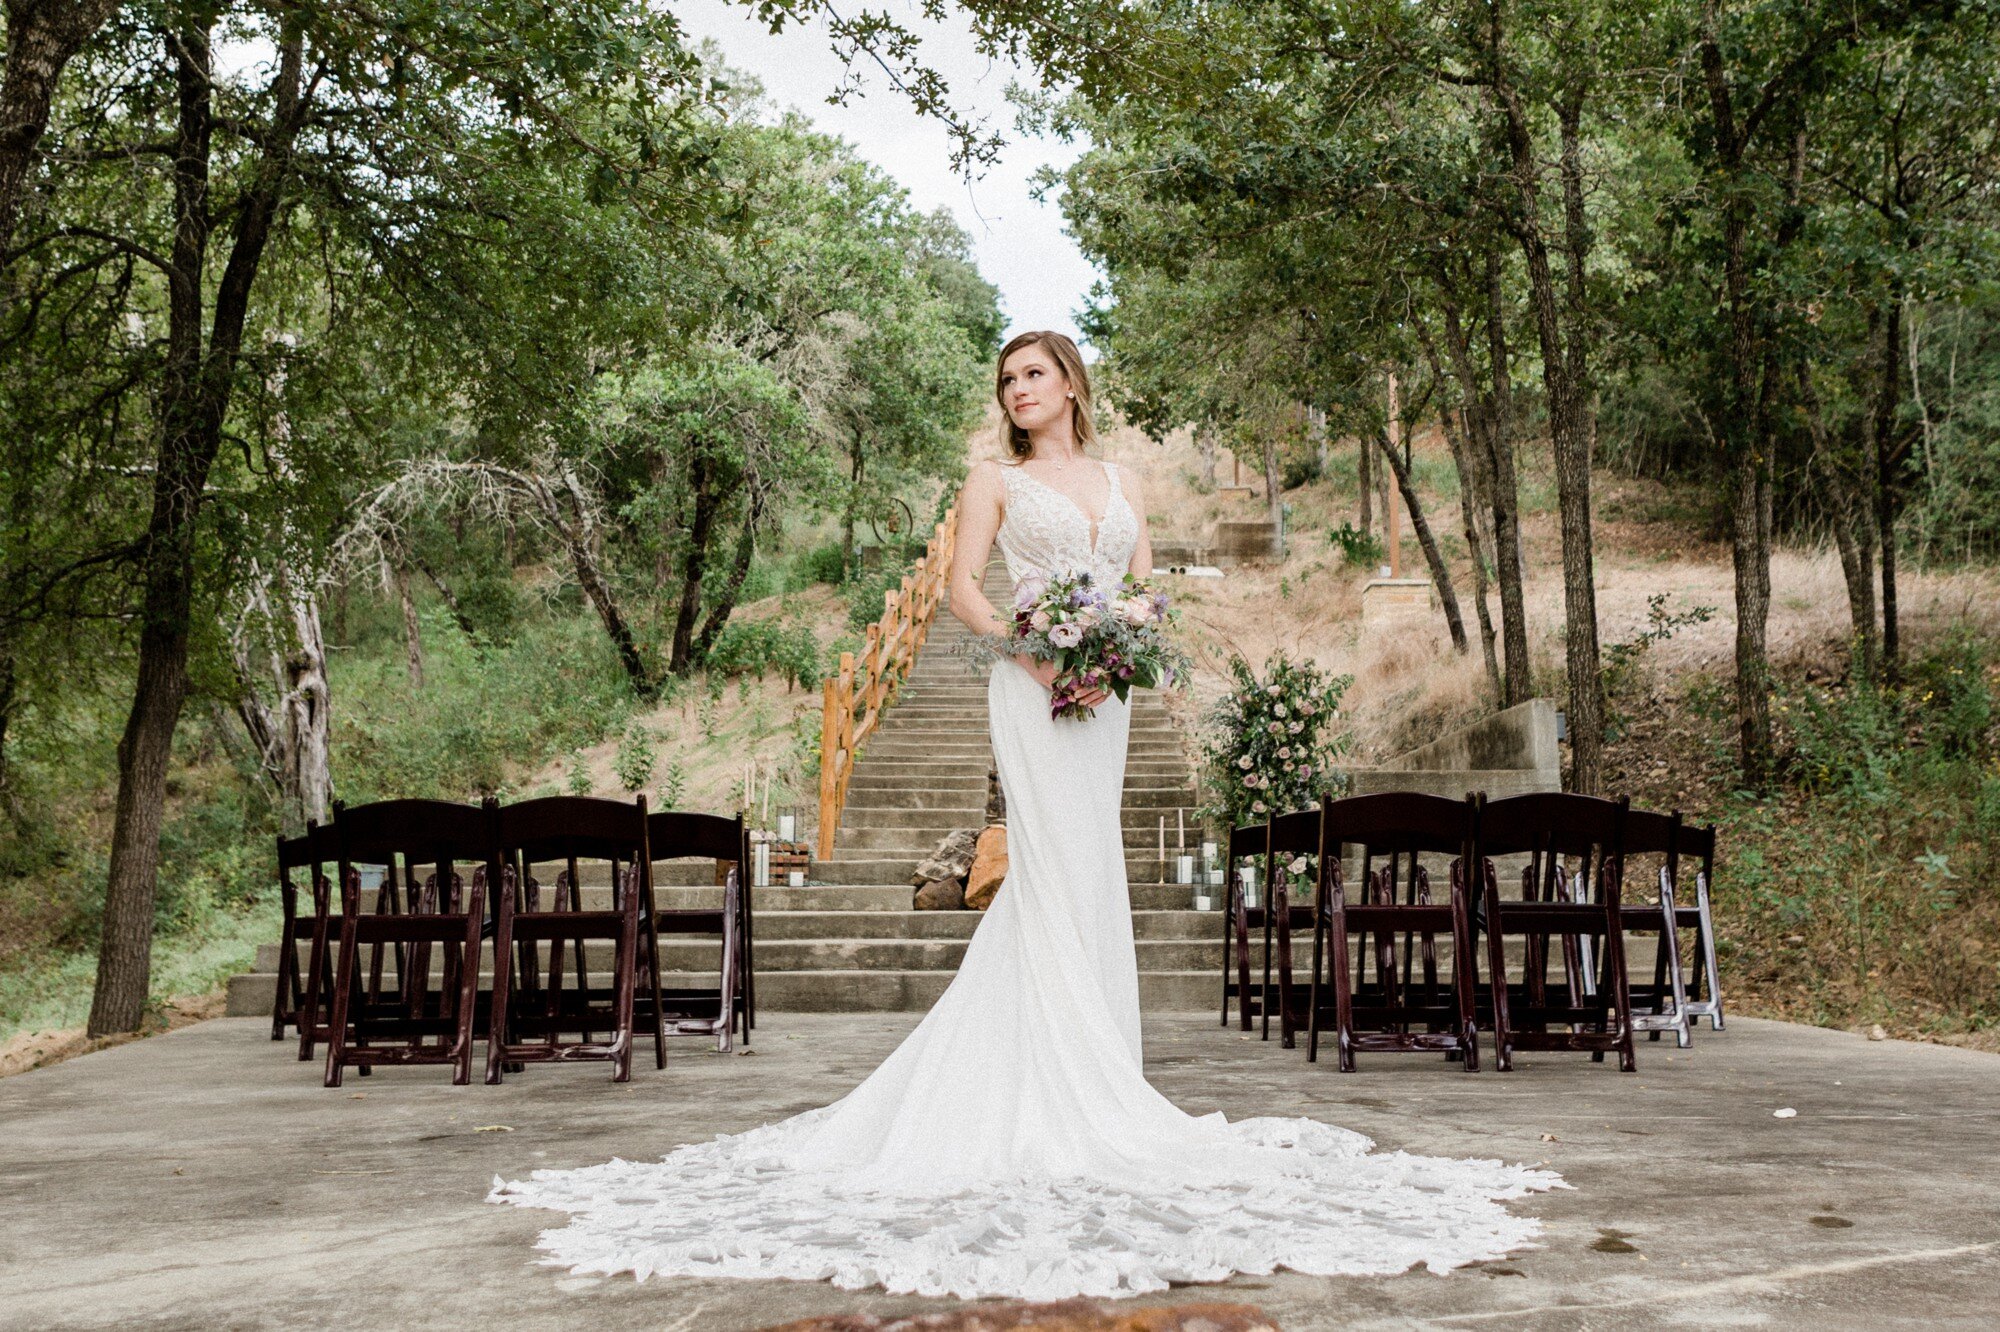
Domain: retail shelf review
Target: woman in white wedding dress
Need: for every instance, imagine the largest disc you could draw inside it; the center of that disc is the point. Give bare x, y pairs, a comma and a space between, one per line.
1011, 1145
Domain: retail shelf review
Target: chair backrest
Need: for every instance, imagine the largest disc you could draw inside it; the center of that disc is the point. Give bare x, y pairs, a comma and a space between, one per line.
677, 835
312, 847
1247, 840
1394, 823
575, 827
423, 832
1563, 822
1698, 843
1648, 832
1294, 834
1551, 825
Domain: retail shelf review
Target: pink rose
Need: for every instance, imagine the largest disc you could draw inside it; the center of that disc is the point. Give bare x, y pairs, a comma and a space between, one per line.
1066, 635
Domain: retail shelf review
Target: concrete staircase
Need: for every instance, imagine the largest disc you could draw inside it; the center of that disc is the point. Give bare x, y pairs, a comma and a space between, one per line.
850, 940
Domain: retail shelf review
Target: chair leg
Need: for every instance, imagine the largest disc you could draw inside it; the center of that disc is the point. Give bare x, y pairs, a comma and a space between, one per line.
628, 964
343, 986
1621, 990
468, 1001
1312, 997
285, 1002
649, 927
1340, 969
317, 968
1670, 952
1496, 966
1707, 945
1464, 981
502, 998
1242, 950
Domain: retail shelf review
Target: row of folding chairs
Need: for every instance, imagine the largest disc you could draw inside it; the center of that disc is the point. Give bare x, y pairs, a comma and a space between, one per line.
1379, 979
457, 883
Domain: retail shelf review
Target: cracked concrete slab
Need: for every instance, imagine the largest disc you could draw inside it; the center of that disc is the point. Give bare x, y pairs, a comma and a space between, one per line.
204, 1179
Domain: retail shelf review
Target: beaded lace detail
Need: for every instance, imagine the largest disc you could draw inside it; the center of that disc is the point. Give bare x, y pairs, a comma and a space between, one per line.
1044, 531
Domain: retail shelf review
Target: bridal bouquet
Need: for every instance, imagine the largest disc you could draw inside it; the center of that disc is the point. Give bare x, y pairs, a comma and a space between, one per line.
1099, 638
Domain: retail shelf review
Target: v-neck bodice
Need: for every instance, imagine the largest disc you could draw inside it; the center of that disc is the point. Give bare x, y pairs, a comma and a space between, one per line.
1046, 531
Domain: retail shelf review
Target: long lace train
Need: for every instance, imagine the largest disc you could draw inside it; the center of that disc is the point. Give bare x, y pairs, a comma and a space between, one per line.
1011, 1145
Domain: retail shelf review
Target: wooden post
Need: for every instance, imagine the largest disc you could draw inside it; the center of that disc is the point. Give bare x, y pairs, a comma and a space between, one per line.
1395, 535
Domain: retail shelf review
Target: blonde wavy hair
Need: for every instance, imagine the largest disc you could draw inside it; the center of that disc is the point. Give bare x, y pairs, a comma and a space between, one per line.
1014, 439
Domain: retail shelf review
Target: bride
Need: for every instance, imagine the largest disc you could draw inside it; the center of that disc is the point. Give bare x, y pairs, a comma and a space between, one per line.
1064, 1172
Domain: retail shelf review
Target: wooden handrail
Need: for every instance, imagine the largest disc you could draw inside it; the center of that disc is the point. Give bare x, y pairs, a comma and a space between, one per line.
858, 692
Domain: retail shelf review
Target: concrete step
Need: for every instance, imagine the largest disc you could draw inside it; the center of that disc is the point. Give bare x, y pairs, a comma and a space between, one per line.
892, 896
856, 991
863, 806
943, 819
1142, 839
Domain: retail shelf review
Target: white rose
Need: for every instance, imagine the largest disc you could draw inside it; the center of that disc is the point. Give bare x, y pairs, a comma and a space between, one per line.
1066, 635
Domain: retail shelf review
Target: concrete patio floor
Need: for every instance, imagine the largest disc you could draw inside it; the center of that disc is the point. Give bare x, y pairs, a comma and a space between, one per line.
204, 1179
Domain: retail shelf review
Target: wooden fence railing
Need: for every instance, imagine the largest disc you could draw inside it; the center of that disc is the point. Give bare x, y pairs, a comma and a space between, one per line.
859, 691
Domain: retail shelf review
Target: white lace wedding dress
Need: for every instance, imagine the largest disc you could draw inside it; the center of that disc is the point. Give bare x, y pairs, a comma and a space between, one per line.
1011, 1145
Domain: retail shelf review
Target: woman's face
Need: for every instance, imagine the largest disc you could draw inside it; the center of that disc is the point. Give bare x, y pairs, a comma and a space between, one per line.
1033, 388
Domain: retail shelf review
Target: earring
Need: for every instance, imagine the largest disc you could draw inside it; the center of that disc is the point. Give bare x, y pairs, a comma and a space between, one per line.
1072, 393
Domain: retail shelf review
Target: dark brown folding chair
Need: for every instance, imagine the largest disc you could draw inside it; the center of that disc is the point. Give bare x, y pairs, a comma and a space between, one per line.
1652, 843
1244, 845
428, 841
1581, 907
698, 1011
529, 1020
1389, 833
1704, 985
1287, 838
310, 852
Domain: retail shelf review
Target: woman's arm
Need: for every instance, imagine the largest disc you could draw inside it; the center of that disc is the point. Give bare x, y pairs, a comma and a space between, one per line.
1135, 495
981, 505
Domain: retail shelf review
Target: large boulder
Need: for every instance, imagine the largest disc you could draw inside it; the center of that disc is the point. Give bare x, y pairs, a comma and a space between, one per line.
951, 860
940, 895
989, 867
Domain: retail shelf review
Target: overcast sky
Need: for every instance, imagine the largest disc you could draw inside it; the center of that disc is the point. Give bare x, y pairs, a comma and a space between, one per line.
1019, 243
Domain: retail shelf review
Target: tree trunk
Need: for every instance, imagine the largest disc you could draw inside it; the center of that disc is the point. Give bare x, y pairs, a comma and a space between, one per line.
291, 740
853, 502
1889, 457
8, 683
1476, 544
1365, 471
194, 400
1571, 444
1440, 572
1274, 500
579, 533
1850, 516
696, 566
42, 37
1510, 563
413, 638
1321, 441
739, 569
1573, 465
444, 592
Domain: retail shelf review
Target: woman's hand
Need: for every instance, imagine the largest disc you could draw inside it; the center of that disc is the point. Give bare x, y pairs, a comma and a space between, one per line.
1045, 673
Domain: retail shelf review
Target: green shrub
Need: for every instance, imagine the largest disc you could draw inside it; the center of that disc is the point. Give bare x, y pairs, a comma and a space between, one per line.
1357, 548
768, 647
825, 563
635, 757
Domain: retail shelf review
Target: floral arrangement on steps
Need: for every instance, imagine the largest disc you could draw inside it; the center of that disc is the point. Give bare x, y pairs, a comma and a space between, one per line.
1273, 740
